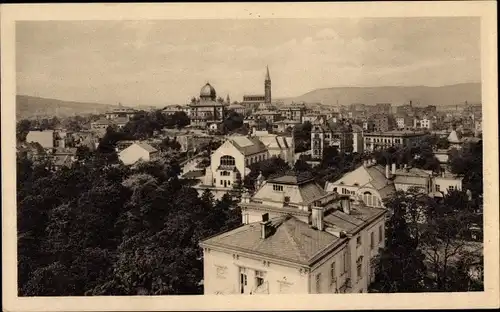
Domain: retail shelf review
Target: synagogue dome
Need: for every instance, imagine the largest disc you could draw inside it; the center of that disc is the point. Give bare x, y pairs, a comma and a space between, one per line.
208, 92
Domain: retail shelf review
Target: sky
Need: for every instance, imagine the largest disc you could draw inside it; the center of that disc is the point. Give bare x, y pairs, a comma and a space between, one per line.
167, 62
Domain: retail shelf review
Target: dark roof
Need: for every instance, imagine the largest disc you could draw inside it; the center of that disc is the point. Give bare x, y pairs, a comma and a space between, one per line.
194, 174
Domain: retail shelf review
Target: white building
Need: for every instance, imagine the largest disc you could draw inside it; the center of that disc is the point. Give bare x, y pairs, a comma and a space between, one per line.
278, 146
138, 151
231, 160
295, 239
447, 182
369, 181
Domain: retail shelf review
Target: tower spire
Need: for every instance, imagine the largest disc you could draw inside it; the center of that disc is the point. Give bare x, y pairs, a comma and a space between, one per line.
267, 87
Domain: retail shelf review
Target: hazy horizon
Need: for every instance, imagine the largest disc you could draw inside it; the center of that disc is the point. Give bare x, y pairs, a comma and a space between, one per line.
158, 63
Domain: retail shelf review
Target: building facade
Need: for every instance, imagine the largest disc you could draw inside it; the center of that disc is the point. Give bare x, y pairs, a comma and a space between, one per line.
319, 252
331, 134
383, 140
230, 162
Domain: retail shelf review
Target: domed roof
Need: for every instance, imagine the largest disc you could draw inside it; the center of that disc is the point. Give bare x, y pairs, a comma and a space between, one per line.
208, 92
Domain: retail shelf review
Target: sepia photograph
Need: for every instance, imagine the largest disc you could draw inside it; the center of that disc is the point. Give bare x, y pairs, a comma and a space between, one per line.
265, 155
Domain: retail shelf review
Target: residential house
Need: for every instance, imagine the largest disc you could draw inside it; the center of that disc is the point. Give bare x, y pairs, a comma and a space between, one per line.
331, 134
369, 181
278, 146
123, 112
238, 108
231, 161
295, 239
63, 157
138, 151
294, 111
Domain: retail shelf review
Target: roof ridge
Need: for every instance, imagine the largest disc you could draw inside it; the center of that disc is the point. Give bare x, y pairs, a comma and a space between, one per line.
293, 240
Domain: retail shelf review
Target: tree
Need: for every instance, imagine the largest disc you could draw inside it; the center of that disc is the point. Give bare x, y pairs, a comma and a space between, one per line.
267, 167
170, 144
22, 128
399, 267
302, 165
443, 240
468, 163
232, 121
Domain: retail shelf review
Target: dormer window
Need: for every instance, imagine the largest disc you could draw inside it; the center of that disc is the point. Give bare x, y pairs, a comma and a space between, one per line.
277, 188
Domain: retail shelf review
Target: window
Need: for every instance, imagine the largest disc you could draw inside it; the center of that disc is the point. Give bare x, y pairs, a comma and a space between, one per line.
215, 181
333, 276
259, 278
228, 182
344, 262
372, 240
359, 267
451, 188
358, 241
277, 188
227, 161
221, 182
225, 173
318, 283
438, 188
380, 234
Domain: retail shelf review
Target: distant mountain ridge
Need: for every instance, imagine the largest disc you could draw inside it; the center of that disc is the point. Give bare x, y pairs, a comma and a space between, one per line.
28, 107
398, 95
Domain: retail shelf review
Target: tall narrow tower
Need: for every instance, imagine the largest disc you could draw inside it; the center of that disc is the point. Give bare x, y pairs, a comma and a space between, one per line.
267, 87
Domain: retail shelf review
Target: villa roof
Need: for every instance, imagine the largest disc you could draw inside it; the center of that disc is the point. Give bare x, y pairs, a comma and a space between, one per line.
247, 145
363, 175
290, 240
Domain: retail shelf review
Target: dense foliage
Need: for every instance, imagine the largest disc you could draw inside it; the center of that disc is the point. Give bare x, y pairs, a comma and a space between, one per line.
428, 246
101, 228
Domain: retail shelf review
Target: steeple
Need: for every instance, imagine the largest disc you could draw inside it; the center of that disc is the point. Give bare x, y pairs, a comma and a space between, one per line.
267, 87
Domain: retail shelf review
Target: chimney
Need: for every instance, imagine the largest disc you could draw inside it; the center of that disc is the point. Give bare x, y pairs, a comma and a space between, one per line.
387, 171
265, 226
346, 205
317, 218
394, 169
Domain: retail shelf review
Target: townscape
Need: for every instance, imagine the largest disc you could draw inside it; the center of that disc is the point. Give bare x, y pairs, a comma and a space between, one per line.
251, 197
249, 156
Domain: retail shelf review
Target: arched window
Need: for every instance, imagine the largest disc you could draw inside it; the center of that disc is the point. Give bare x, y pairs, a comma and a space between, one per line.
227, 161
368, 198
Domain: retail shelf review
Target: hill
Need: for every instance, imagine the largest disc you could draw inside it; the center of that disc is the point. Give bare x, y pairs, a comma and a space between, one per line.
420, 95
28, 107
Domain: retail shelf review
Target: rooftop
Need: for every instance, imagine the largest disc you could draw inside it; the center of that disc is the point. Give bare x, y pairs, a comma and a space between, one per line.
247, 145
396, 133
291, 240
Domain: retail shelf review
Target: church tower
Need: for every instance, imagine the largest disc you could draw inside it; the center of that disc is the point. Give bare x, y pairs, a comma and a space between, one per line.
267, 87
